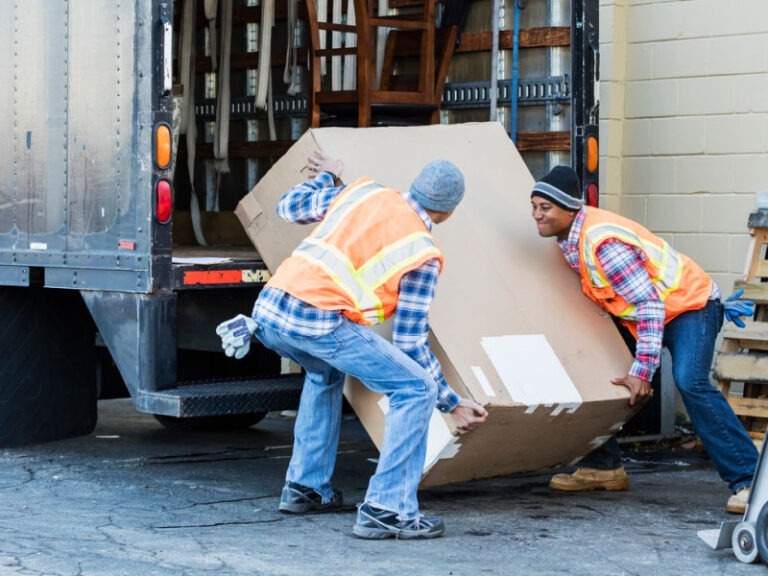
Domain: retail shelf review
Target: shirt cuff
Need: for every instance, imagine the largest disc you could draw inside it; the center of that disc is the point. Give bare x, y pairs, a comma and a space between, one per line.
449, 402
642, 371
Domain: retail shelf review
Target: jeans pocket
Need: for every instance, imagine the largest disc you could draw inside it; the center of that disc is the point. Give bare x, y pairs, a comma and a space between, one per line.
334, 345
324, 346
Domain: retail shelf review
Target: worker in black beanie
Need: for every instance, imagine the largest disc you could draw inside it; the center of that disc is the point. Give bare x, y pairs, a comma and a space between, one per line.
663, 298
561, 187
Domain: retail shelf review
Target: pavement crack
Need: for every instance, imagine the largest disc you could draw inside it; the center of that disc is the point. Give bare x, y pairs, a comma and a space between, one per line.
217, 524
230, 500
196, 455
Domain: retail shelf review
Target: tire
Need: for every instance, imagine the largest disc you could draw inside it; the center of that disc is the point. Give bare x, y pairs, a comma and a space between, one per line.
761, 533
743, 543
211, 423
48, 372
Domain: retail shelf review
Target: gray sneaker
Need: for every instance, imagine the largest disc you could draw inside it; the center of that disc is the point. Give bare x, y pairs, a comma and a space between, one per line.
376, 524
298, 499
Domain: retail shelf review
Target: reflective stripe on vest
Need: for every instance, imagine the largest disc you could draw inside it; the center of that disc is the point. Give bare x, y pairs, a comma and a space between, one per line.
339, 210
360, 283
664, 258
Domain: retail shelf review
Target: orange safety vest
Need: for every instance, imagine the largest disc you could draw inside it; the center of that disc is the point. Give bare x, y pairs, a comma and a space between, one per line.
354, 259
680, 283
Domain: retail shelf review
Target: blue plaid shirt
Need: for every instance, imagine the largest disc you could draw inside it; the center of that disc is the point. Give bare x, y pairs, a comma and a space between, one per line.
623, 266
307, 203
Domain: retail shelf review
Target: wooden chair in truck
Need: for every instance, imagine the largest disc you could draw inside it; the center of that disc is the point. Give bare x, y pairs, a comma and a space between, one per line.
368, 69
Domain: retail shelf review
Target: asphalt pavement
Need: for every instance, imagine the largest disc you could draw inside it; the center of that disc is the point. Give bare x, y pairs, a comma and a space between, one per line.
135, 498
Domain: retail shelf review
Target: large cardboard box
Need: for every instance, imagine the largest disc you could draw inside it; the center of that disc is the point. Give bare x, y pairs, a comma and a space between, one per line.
509, 323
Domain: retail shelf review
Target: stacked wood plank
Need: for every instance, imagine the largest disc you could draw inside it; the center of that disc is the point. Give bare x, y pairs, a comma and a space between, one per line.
741, 366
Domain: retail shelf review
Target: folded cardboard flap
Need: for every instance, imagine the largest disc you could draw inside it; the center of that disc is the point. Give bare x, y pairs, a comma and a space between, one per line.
509, 323
249, 211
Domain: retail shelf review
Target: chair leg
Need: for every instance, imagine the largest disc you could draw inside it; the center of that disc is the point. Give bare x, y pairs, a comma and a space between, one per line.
364, 117
314, 116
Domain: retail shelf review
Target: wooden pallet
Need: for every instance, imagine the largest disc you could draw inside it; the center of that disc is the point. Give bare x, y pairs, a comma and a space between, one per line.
742, 361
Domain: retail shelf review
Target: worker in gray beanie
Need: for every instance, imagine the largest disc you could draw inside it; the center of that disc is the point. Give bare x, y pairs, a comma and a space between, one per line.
439, 187
676, 305
371, 256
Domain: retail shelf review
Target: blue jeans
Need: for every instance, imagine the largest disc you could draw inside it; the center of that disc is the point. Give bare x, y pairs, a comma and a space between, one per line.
690, 339
412, 392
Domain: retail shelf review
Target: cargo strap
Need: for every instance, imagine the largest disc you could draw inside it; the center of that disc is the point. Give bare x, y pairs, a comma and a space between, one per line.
187, 125
381, 40
322, 16
350, 61
265, 53
211, 8
223, 101
290, 73
336, 69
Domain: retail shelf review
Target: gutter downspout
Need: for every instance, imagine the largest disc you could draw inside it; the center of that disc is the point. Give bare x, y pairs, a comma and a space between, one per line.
519, 5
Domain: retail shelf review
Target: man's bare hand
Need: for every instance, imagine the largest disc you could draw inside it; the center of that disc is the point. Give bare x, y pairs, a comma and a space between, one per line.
319, 161
639, 389
467, 415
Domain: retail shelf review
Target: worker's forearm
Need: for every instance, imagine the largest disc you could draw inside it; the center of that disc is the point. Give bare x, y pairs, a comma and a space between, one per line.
650, 334
411, 327
421, 353
309, 201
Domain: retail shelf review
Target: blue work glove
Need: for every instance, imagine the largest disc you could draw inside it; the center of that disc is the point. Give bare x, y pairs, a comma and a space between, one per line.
734, 308
236, 334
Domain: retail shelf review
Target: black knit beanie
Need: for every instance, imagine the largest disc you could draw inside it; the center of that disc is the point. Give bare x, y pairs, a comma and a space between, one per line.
561, 187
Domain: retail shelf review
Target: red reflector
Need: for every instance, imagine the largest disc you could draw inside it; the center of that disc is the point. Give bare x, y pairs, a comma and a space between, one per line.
163, 201
213, 277
592, 194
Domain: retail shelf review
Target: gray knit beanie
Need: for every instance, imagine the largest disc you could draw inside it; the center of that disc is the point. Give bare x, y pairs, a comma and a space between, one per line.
439, 186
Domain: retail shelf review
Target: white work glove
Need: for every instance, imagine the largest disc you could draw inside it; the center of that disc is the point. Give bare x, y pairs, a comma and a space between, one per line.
236, 334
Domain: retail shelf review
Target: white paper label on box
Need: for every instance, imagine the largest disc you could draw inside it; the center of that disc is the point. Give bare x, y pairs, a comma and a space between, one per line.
483, 379
530, 370
440, 442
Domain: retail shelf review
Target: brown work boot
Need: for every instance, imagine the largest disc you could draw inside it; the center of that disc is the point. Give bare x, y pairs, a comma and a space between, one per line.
737, 503
590, 479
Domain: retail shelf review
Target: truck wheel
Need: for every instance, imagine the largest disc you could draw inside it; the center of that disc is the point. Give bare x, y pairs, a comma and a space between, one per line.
48, 371
211, 423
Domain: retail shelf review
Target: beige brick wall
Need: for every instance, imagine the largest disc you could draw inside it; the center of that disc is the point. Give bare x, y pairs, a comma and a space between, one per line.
684, 121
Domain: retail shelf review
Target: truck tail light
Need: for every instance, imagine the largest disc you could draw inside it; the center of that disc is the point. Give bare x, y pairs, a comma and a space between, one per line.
162, 146
592, 194
593, 153
163, 201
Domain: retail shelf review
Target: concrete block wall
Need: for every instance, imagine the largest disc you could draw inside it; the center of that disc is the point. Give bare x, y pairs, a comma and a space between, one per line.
684, 122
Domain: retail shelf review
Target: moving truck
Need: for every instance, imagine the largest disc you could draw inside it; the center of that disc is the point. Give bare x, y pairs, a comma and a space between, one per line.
119, 249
